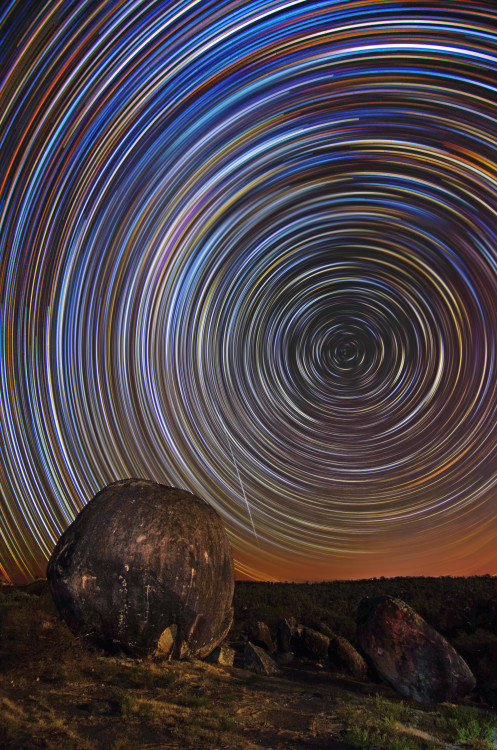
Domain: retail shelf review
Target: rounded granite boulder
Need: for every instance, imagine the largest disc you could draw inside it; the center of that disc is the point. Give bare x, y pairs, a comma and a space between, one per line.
146, 568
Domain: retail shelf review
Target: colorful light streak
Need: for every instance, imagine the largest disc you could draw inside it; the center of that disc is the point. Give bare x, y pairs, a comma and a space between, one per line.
250, 249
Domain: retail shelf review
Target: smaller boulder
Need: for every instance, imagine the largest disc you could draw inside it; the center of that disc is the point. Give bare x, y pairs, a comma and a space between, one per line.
296, 642
286, 630
258, 660
222, 655
343, 657
323, 628
165, 644
313, 644
260, 635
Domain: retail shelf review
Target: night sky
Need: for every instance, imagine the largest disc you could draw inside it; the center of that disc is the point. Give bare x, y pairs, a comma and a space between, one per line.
249, 249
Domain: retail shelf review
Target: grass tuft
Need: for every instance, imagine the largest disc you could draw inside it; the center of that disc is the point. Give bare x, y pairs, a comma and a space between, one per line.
468, 724
194, 701
124, 701
227, 723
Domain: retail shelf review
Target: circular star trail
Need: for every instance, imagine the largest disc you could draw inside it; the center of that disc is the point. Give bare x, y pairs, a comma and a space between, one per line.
250, 249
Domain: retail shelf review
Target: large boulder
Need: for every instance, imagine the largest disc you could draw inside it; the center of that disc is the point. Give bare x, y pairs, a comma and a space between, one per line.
409, 654
146, 568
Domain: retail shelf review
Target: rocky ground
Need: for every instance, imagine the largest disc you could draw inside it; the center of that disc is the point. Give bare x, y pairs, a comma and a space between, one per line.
56, 691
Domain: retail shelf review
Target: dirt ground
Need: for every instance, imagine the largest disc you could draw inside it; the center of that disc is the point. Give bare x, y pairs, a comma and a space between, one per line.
57, 691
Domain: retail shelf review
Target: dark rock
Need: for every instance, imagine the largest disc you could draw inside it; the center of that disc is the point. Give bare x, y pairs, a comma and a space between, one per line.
409, 654
343, 657
239, 645
296, 642
239, 661
313, 644
258, 660
261, 636
223, 655
323, 628
286, 630
146, 568
284, 658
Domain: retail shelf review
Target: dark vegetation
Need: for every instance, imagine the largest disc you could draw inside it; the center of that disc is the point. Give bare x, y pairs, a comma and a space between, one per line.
58, 691
456, 607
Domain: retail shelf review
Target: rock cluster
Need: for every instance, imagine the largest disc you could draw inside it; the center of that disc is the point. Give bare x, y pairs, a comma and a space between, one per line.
397, 646
297, 642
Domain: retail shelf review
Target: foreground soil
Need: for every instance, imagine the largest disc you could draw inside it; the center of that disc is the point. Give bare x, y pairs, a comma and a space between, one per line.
56, 691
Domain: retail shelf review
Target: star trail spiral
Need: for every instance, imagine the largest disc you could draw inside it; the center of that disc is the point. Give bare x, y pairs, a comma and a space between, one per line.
249, 249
